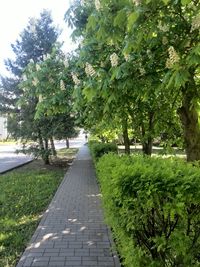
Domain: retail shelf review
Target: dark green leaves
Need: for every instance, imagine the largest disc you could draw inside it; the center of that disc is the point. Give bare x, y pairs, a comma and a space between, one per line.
120, 19
152, 204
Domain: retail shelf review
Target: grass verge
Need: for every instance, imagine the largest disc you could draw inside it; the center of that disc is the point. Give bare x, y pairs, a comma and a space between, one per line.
25, 194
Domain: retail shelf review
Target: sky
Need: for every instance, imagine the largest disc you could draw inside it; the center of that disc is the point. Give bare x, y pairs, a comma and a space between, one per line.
14, 17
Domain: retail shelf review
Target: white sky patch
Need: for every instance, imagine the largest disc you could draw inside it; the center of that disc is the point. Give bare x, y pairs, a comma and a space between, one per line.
14, 17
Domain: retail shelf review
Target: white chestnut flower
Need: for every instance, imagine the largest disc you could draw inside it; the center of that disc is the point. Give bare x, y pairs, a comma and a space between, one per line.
24, 77
66, 63
173, 57
136, 2
40, 98
33, 28
114, 60
127, 57
164, 40
195, 23
51, 80
163, 27
35, 82
142, 71
75, 78
89, 70
102, 64
62, 85
38, 67
97, 5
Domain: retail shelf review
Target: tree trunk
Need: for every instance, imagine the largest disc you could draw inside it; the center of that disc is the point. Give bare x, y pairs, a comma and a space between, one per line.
67, 142
147, 144
125, 137
46, 152
41, 144
189, 118
53, 149
147, 147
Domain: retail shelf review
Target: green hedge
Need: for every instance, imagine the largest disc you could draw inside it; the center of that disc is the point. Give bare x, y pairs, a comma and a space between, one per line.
153, 207
99, 149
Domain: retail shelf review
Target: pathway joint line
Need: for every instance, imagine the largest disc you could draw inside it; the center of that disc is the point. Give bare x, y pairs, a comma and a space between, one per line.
72, 231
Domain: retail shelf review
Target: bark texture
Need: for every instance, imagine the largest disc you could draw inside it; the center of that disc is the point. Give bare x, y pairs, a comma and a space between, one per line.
191, 130
126, 138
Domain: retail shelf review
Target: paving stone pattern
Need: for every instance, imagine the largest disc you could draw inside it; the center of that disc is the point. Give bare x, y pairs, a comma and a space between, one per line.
72, 231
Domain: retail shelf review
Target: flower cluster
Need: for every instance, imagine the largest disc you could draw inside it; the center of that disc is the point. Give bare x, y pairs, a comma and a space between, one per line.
62, 85
89, 70
97, 5
24, 77
164, 40
66, 63
173, 57
114, 60
102, 64
38, 67
75, 78
136, 2
51, 80
127, 57
45, 57
40, 98
33, 28
35, 82
142, 71
163, 28
195, 23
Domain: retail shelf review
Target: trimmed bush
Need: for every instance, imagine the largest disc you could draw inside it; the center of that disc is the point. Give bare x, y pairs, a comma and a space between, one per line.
153, 207
99, 149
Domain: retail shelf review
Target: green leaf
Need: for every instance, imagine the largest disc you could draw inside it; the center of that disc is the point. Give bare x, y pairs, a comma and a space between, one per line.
165, 1
132, 19
185, 2
120, 18
111, 98
91, 22
89, 93
181, 77
193, 60
101, 33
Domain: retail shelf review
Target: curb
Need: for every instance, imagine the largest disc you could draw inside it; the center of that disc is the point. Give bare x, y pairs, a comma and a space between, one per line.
16, 167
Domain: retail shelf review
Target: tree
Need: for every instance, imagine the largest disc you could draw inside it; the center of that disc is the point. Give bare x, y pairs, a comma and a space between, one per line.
159, 41
50, 83
35, 42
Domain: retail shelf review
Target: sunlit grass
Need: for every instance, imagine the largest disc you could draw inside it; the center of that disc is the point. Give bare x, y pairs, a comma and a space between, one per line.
66, 152
24, 195
156, 151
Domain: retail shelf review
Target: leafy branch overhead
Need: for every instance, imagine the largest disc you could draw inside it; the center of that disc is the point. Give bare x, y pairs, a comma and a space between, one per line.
138, 59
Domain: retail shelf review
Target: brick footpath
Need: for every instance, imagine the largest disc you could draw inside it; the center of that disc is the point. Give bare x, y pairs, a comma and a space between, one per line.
72, 231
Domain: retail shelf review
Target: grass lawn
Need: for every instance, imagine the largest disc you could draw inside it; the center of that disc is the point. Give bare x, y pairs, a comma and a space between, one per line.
25, 194
156, 151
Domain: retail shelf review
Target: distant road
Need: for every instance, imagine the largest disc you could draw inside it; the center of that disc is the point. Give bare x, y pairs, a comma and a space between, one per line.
9, 159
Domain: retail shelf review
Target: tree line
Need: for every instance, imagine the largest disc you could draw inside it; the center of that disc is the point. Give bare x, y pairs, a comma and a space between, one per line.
134, 75
38, 70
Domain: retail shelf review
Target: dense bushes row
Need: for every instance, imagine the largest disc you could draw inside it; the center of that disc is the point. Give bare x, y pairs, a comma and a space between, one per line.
99, 149
153, 207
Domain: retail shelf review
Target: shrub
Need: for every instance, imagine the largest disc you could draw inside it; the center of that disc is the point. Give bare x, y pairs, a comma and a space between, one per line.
153, 206
99, 149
